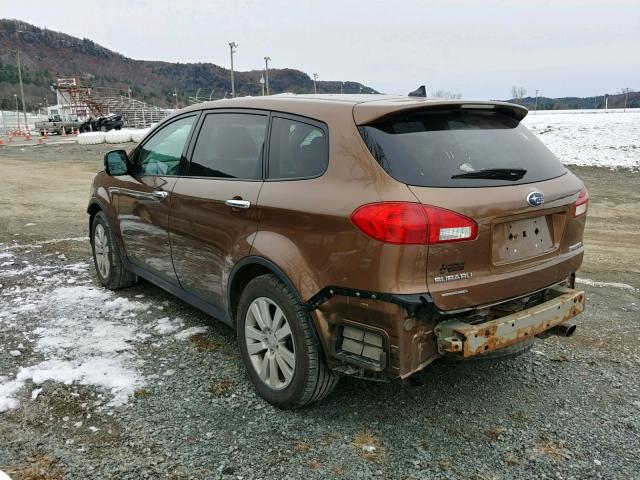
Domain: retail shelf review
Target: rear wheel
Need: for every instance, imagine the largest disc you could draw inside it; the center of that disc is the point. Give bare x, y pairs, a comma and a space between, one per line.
106, 257
278, 346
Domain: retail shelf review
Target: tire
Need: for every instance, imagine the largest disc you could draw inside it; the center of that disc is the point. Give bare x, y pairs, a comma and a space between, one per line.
110, 269
310, 379
104, 128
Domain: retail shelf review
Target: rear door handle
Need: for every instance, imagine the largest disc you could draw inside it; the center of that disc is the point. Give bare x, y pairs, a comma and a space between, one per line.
160, 194
235, 203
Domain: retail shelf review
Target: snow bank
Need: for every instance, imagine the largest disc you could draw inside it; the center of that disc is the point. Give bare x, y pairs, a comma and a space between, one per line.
604, 138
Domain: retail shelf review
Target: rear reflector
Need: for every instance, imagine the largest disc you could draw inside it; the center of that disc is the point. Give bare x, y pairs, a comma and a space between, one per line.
580, 207
410, 223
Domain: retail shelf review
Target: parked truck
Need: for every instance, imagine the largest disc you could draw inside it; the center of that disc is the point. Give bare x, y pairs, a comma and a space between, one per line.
55, 124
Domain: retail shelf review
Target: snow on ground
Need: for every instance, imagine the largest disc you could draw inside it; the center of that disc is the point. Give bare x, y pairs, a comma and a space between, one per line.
606, 138
595, 283
66, 329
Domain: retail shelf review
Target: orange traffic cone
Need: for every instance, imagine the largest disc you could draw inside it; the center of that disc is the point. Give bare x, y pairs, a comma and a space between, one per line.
1, 142
27, 136
64, 132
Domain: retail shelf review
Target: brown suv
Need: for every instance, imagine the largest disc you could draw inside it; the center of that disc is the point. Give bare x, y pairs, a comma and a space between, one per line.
348, 235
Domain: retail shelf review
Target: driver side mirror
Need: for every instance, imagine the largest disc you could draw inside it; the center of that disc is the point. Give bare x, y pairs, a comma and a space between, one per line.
116, 162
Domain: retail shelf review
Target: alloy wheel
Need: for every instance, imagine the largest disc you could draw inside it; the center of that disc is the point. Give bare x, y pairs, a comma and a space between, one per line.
101, 250
270, 343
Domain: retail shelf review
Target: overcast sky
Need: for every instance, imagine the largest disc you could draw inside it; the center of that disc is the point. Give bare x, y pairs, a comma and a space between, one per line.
477, 48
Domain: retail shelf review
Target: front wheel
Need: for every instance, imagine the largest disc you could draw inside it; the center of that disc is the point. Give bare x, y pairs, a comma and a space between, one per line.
106, 257
278, 346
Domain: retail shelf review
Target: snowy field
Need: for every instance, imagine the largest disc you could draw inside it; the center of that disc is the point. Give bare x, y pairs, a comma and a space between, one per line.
606, 138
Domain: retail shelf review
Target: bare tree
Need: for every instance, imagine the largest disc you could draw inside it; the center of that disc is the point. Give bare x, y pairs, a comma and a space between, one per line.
440, 93
518, 93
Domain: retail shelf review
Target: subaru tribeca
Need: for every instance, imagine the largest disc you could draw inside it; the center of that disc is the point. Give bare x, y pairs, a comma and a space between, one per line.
364, 236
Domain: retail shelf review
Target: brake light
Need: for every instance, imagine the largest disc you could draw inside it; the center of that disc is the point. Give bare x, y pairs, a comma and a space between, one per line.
580, 207
412, 223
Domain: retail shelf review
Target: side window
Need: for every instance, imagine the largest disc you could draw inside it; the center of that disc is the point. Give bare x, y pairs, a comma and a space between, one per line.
296, 149
162, 153
230, 145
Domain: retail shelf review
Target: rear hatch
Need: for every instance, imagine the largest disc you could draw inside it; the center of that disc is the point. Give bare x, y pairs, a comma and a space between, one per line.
518, 200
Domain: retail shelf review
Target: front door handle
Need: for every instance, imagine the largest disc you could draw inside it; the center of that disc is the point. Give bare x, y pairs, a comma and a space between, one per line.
235, 203
160, 194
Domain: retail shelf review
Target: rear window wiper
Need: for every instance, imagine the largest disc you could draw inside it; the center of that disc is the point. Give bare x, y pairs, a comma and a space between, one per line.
512, 174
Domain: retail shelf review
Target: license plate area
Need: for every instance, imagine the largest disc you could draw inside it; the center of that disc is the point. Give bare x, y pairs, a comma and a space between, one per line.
518, 240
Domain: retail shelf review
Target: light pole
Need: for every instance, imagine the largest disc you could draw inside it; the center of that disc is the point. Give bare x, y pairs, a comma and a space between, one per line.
536, 108
175, 94
211, 94
232, 47
266, 71
341, 88
262, 84
315, 79
15, 95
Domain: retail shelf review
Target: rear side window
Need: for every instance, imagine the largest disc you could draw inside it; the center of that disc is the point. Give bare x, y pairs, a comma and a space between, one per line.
428, 148
229, 145
296, 149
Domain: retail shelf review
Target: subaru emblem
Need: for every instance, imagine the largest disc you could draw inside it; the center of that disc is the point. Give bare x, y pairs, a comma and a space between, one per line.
535, 199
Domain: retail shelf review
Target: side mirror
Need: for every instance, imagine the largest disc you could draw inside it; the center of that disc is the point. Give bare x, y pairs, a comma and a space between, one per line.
116, 162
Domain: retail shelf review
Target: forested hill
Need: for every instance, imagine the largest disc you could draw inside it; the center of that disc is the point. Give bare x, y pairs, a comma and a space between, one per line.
47, 55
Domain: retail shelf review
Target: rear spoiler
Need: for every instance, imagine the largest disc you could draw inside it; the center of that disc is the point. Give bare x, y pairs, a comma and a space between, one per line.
371, 112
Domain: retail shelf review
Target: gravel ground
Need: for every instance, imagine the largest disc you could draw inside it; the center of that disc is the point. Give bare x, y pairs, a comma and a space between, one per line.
155, 389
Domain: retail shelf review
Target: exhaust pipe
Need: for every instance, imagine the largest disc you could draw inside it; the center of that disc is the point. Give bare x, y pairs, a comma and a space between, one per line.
563, 330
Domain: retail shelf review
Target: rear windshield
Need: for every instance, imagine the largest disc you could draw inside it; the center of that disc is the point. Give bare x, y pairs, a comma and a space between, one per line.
428, 148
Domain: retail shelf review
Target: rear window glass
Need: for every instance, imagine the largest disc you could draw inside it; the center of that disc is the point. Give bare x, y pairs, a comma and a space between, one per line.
428, 148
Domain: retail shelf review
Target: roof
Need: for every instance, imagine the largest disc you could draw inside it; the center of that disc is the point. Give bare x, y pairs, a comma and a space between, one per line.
366, 107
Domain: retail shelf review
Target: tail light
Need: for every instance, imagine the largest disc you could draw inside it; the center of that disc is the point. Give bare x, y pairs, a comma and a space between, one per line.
413, 223
580, 207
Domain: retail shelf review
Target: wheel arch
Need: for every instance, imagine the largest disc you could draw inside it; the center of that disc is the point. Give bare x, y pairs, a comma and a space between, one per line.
246, 270
93, 209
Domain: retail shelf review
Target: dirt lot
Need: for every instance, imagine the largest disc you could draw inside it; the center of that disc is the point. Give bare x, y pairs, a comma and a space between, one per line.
140, 385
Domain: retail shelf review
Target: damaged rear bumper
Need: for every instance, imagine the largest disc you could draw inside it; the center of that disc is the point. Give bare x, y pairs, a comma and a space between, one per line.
467, 340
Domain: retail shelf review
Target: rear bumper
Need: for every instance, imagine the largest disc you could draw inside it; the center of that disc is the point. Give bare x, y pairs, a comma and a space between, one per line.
373, 336
468, 340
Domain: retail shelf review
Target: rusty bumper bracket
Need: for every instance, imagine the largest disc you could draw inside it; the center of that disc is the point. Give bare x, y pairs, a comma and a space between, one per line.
467, 340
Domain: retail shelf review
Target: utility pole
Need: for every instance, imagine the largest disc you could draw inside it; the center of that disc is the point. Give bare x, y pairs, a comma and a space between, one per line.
536, 108
175, 94
262, 84
15, 95
315, 79
232, 47
24, 110
626, 94
341, 88
266, 71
